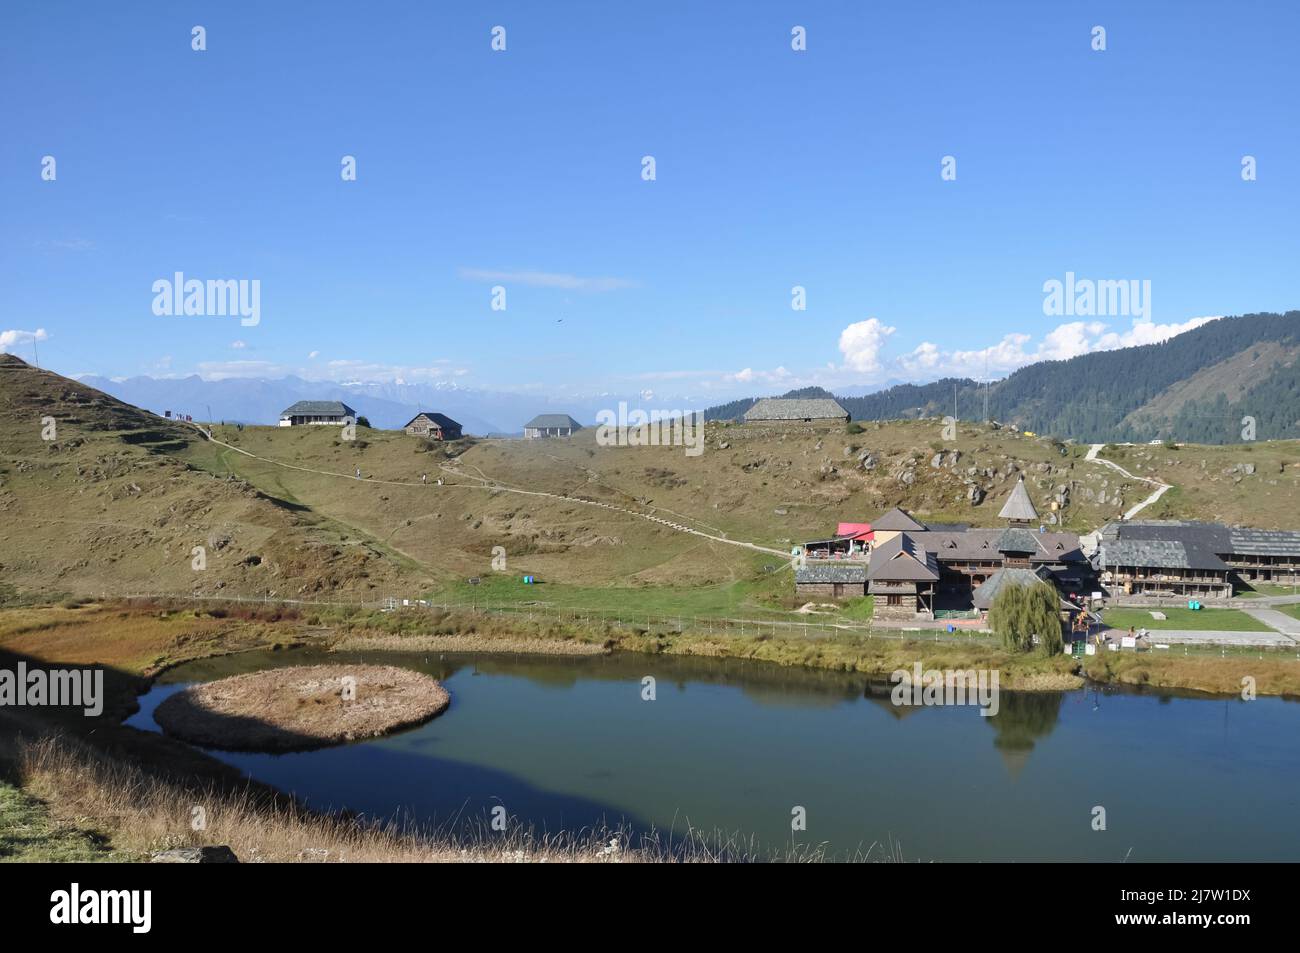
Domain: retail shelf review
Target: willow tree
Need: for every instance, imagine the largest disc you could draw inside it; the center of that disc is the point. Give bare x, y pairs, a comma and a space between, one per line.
1021, 612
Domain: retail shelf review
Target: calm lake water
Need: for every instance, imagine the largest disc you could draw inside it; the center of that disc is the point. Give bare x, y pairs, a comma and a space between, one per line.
566, 743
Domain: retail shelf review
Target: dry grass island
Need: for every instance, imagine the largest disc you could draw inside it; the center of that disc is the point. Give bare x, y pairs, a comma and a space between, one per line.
302, 707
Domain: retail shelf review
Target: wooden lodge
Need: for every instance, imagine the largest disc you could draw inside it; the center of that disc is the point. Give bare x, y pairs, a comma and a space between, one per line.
551, 425
317, 412
1165, 559
786, 410
433, 426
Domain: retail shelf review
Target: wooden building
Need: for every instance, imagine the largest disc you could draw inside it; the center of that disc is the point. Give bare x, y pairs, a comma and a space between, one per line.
312, 412
915, 569
833, 580
551, 425
433, 426
902, 577
1155, 559
786, 410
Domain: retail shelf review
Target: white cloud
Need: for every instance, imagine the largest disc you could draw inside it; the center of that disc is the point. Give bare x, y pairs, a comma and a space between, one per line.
313, 355
16, 336
238, 345
546, 279
862, 342
1059, 344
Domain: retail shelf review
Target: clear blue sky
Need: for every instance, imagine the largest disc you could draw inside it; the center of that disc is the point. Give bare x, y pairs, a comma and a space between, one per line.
775, 168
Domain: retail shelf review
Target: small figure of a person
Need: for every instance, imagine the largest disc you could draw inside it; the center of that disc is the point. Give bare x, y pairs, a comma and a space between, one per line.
424, 478
358, 473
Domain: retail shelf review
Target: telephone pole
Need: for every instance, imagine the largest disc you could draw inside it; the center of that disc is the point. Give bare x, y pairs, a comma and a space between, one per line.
986, 387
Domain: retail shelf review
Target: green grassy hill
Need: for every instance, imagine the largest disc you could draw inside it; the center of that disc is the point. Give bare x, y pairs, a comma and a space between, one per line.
116, 503
111, 505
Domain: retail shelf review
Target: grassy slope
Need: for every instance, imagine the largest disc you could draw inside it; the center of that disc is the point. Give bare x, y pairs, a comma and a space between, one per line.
111, 506
1207, 490
117, 503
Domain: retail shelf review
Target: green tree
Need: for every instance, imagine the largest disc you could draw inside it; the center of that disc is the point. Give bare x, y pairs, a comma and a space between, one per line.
1021, 612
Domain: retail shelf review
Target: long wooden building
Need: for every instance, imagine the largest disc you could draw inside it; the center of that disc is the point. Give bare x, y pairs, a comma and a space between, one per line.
1164, 559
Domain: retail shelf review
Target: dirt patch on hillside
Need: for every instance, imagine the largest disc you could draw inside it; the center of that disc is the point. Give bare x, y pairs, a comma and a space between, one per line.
300, 708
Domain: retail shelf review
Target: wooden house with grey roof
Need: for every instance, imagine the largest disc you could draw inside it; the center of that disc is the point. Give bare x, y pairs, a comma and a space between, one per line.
551, 425
433, 426
306, 412
834, 580
902, 576
1146, 560
792, 410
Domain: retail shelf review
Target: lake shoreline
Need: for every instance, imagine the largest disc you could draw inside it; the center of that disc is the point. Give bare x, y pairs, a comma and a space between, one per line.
141, 643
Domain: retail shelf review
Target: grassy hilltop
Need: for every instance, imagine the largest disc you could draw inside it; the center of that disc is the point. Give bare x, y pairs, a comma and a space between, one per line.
119, 499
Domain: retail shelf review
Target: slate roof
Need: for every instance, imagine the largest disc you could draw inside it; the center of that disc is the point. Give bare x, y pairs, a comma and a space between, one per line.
442, 420
551, 422
1209, 537
1018, 505
784, 408
976, 544
1265, 542
985, 594
898, 520
901, 559
1157, 554
853, 573
1017, 540
318, 408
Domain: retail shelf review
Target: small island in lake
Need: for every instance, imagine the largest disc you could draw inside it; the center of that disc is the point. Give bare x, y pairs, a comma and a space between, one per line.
300, 708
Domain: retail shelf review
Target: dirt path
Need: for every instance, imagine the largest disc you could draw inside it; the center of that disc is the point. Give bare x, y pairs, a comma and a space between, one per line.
486, 483
1161, 488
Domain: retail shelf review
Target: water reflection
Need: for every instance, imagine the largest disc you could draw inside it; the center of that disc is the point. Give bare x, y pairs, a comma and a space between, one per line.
733, 745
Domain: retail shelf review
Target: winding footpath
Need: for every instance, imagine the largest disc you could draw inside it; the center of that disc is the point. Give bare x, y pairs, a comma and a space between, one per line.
1161, 488
485, 483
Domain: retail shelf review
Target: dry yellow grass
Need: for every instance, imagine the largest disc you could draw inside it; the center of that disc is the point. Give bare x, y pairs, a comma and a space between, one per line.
465, 643
140, 814
301, 707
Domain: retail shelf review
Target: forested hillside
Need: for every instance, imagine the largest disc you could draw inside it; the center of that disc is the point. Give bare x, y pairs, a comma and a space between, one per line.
1195, 387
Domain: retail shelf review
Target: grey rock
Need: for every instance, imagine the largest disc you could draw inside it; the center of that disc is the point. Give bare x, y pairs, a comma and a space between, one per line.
195, 855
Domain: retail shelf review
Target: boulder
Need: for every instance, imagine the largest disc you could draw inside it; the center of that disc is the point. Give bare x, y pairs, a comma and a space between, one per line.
195, 855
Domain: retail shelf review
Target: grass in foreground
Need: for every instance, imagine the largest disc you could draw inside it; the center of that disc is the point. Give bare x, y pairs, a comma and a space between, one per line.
29, 834
1201, 620
143, 814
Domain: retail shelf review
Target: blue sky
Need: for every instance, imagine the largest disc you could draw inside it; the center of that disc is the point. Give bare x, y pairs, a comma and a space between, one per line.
522, 168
